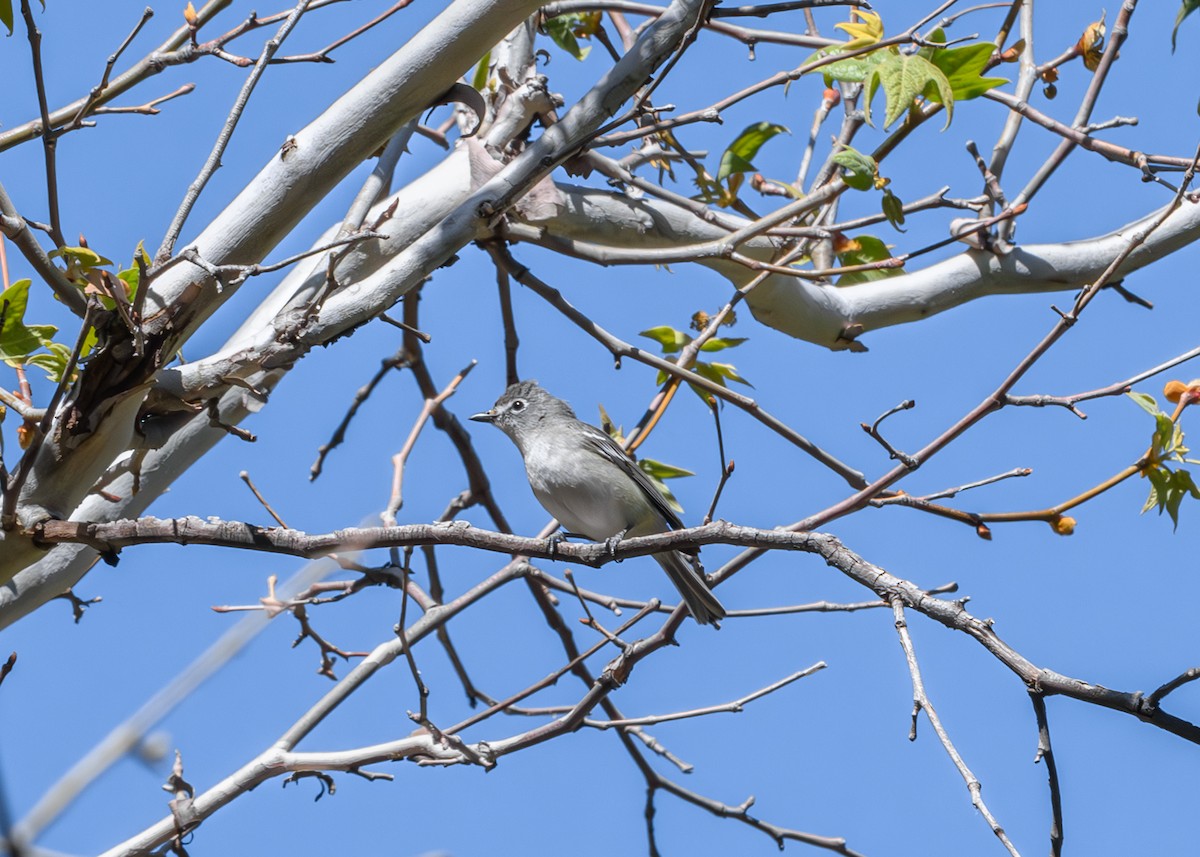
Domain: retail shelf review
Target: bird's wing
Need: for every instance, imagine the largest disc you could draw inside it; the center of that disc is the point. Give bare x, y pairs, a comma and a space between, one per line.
608, 448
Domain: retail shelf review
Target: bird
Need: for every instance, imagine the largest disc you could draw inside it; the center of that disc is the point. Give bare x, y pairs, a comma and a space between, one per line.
592, 487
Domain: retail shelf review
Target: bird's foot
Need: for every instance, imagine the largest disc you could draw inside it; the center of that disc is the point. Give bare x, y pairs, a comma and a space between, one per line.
611, 544
552, 543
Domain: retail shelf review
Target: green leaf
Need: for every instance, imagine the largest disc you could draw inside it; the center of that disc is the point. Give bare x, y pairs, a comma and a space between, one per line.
6, 15
893, 209
131, 275
85, 257
718, 344
935, 40
1158, 490
55, 362
903, 79
1164, 432
859, 168
18, 340
480, 79
559, 29
1186, 8
659, 484
1146, 402
718, 372
963, 67
853, 70
669, 338
661, 470
869, 249
736, 158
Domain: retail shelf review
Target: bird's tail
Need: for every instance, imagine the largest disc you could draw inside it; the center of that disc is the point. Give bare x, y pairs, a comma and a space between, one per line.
689, 580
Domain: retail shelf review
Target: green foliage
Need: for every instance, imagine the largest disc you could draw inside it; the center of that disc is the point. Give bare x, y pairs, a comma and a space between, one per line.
863, 250
904, 78
1186, 8
566, 30
673, 341
17, 339
893, 209
943, 75
480, 78
1168, 484
657, 471
737, 157
6, 15
963, 68
861, 171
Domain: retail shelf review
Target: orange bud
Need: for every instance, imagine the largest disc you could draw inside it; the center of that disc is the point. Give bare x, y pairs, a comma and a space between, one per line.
1064, 525
832, 96
189, 14
1174, 390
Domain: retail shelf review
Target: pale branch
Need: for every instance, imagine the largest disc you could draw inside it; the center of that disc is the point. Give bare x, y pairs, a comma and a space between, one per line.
399, 460
734, 707
921, 702
903, 499
1120, 387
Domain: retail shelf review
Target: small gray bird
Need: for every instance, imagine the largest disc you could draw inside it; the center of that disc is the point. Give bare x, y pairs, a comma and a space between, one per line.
582, 478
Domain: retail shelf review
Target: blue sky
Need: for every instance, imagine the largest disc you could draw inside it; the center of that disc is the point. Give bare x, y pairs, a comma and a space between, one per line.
1112, 604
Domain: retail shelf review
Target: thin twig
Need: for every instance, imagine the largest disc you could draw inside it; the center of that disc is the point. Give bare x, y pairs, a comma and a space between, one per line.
167, 248
921, 703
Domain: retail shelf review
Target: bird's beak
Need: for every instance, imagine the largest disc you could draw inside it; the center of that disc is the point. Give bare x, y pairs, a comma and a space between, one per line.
485, 417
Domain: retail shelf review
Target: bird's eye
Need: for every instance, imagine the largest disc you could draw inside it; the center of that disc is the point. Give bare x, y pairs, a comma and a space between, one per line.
518, 405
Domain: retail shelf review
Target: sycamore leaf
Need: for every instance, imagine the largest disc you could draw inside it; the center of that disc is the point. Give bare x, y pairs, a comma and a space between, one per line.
561, 29
905, 78
852, 70
893, 210
651, 467
669, 338
661, 470
963, 67
719, 372
863, 250
864, 28
718, 344
18, 340
859, 169
736, 158
1146, 402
